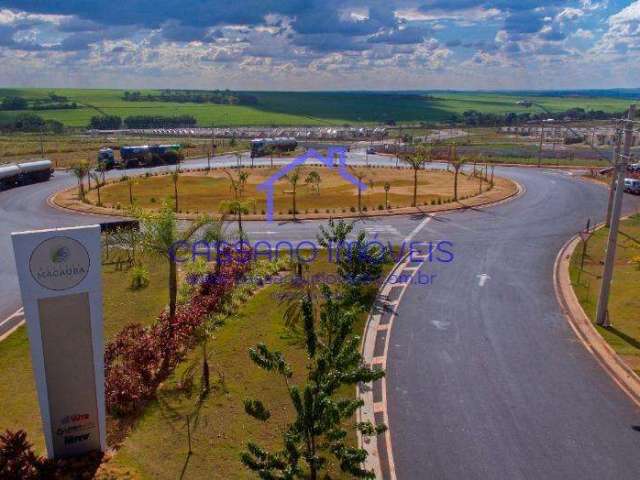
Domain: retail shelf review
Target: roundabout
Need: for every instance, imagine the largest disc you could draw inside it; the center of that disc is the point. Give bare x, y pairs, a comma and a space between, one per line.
318, 192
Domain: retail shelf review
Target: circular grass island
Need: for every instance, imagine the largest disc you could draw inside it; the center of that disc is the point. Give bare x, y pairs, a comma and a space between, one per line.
319, 191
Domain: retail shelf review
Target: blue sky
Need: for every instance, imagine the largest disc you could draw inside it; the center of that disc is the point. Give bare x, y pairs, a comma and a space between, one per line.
321, 44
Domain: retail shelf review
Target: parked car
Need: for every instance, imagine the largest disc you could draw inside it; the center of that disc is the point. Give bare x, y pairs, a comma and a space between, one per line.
632, 185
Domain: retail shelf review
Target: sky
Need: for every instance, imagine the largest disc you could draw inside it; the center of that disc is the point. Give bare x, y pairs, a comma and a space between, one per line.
321, 44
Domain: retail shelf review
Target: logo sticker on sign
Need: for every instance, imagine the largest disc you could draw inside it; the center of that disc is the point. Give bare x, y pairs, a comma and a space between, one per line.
59, 263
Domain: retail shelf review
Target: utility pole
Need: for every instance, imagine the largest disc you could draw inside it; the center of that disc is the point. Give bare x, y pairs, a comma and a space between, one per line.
602, 314
612, 187
541, 140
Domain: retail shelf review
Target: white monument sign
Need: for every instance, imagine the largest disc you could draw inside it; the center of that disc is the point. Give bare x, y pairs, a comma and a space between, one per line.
60, 280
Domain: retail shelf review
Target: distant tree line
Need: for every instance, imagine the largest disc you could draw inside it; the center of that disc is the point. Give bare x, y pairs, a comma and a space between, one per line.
51, 102
222, 97
474, 118
114, 122
29, 122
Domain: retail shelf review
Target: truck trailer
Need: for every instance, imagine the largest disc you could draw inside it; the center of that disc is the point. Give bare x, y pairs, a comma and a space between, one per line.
25, 173
140, 156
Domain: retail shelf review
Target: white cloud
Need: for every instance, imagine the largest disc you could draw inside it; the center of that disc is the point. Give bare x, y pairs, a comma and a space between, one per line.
584, 34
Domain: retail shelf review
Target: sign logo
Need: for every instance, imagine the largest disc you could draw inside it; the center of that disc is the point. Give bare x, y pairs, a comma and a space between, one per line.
59, 263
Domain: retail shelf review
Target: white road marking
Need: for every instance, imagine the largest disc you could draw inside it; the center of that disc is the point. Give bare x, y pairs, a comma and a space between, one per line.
384, 229
482, 279
416, 230
440, 325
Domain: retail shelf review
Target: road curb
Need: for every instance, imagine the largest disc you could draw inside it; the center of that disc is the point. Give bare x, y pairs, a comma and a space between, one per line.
12, 323
584, 329
379, 449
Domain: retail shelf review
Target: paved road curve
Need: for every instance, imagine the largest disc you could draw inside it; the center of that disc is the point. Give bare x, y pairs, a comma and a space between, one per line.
489, 382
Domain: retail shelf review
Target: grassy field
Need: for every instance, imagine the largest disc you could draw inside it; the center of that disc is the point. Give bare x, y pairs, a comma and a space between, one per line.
624, 305
18, 401
309, 108
201, 193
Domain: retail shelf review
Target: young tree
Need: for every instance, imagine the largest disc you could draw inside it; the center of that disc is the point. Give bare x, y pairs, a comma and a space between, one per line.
319, 428
417, 162
238, 206
98, 179
175, 176
80, 170
130, 183
387, 187
360, 175
358, 262
313, 178
160, 237
457, 163
293, 178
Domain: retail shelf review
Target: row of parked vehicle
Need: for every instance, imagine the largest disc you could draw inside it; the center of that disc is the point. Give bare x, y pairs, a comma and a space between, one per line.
17, 174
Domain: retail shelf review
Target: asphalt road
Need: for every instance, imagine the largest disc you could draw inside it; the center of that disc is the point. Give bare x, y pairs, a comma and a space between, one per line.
485, 378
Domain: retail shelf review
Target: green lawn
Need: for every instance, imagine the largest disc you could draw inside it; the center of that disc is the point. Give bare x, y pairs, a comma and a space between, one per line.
310, 108
624, 305
18, 400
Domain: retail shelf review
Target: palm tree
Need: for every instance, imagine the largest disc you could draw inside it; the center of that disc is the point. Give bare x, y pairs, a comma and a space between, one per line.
417, 161
293, 178
387, 187
216, 233
160, 237
175, 176
313, 178
80, 171
360, 175
237, 208
243, 176
457, 164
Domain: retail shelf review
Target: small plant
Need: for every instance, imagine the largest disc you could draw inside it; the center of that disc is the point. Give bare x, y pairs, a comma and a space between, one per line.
352, 209
380, 207
139, 278
153, 200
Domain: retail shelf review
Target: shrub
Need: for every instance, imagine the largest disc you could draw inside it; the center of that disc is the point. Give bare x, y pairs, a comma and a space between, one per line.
139, 278
153, 200
352, 209
18, 460
380, 207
